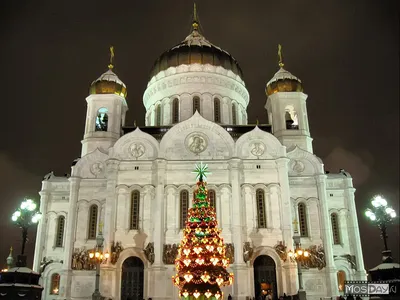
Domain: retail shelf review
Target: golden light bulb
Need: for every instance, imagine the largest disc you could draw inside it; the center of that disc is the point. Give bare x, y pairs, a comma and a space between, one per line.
91, 254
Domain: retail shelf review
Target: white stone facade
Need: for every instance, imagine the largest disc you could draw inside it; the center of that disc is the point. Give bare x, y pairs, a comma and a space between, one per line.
281, 167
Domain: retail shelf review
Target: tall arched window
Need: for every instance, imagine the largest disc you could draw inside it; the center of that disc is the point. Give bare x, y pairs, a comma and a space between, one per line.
234, 114
341, 278
211, 196
60, 231
92, 222
335, 228
217, 110
175, 111
135, 201
158, 115
102, 119
184, 206
302, 219
261, 217
55, 284
196, 104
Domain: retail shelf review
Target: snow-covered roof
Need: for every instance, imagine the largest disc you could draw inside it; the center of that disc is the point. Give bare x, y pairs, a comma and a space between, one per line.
386, 266
22, 270
281, 75
109, 76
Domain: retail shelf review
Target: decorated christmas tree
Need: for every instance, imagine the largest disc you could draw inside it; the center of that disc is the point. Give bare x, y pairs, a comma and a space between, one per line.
201, 263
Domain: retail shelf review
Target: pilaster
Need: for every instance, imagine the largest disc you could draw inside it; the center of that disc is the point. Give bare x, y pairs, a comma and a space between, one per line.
110, 206
66, 276
331, 272
40, 237
285, 211
239, 268
355, 232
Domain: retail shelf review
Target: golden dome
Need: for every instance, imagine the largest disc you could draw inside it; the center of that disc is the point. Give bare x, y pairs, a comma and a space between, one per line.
196, 49
283, 81
108, 83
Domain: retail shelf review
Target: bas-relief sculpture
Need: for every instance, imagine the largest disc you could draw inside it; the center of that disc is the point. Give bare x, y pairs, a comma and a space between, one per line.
136, 150
116, 249
248, 251
230, 252
351, 259
149, 252
281, 250
81, 261
170, 253
316, 258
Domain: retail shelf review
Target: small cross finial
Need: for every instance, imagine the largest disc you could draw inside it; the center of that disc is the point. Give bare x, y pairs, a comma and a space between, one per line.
257, 122
280, 55
101, 227
134, 123
11, 250
111, 65
195, 23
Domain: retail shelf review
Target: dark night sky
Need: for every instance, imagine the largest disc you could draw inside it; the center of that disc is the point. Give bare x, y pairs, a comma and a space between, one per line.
345, 52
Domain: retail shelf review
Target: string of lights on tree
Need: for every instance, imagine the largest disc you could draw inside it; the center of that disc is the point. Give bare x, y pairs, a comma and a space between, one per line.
201, 262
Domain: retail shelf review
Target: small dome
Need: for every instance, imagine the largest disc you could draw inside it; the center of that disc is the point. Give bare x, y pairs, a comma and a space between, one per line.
108, 83
196, 49
283, 81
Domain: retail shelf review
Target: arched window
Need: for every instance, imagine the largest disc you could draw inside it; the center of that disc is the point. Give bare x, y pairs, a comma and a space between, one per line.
341, 278
92, 222
335, 228
175, 111
55, 284
184, 206
302, 219
291, 118
135, 201
217, 110
211, 196
261, 218
234, 114
158, 115
60, 231
102, 119
196, 104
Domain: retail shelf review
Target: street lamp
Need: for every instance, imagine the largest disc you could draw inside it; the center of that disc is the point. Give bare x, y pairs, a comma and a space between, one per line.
382, 215
97, 257
300, 255
25, 216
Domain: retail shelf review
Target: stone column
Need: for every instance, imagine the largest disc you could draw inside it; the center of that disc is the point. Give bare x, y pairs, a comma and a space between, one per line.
157, 272
239, 268
41, 229
66, 273
326, 228
354, 232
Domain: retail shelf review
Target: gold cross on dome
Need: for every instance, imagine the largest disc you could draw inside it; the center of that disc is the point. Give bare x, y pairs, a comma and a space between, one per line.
111, 65
280, 55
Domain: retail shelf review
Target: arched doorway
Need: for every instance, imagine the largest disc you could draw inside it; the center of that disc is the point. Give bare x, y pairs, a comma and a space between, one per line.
265, 276
132, 279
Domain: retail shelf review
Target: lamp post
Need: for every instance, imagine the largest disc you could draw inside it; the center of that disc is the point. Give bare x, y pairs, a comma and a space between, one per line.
382, 215
300, 255
25, 216
98, 257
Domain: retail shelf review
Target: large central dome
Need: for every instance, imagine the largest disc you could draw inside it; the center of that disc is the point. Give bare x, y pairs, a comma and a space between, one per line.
196, 49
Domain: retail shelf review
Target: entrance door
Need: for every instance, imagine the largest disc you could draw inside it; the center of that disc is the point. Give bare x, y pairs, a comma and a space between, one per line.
265, 276
132, 279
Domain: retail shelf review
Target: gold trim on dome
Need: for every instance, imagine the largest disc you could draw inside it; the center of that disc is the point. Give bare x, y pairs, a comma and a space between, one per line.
284, 85
108, 87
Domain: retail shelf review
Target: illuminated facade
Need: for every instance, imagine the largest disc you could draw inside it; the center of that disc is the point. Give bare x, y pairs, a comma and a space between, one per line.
137, 183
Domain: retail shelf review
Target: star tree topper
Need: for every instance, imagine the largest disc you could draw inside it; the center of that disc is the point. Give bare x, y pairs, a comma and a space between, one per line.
201, 171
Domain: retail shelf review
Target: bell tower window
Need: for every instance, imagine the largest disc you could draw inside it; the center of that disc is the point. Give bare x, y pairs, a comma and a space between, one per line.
217, 110
234, 118
175, 111
102, 119
196, 104
291, 118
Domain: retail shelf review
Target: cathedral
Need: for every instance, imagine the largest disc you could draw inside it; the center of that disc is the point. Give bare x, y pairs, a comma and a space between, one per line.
132, 187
